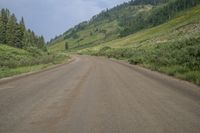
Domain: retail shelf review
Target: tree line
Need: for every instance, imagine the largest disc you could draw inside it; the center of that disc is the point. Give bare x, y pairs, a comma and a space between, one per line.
158, 15
15, 34
145, 2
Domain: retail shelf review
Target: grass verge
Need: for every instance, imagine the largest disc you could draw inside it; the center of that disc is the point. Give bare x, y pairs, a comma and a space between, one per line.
15, 61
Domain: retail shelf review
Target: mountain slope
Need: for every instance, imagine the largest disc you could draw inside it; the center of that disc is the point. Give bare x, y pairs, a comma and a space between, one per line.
172, 47
21, 50
120, 21
98, 30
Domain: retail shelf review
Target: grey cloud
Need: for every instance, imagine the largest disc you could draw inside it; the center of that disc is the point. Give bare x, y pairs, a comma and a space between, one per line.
51, 17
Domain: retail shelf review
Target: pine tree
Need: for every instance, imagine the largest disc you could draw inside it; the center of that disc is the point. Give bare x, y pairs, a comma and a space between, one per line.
18, 37
42, 43
15, 34
5, 14
66, 46
19, 34
26, 40
1, 30
11, 30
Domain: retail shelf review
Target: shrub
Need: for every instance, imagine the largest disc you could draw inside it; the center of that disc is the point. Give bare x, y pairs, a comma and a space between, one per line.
66, 46
135, 61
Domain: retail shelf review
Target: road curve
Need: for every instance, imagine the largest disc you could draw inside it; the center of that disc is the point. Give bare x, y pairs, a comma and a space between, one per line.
97, 95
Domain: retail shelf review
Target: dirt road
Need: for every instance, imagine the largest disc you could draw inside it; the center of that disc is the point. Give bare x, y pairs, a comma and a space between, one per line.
97, 95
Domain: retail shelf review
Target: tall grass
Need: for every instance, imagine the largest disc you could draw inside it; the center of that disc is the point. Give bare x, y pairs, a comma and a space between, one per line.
15, 61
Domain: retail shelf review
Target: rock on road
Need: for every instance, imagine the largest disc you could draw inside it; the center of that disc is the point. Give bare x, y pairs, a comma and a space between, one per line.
98, 95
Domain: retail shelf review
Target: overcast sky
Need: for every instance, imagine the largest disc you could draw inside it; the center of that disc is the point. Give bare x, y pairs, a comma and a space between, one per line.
53, 17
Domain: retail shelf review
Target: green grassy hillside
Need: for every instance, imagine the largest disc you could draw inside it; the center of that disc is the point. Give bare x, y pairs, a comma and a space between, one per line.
184, 25
98, 30
16, 61
120, 21
172, 48
21, 50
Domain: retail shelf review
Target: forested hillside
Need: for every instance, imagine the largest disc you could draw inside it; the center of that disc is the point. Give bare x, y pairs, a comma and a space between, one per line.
15, 34
172, 48
158, 15
21, 50
162, 35
120, 21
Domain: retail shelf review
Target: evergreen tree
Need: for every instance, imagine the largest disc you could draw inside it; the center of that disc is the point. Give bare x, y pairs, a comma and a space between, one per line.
66, 46
4, 16
19, 34
1, 30
158, 14
41, 42
11, 30
28, 39
15, 34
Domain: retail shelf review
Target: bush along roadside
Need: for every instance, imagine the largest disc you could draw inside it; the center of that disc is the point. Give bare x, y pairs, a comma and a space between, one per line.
16, 61
180, 59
